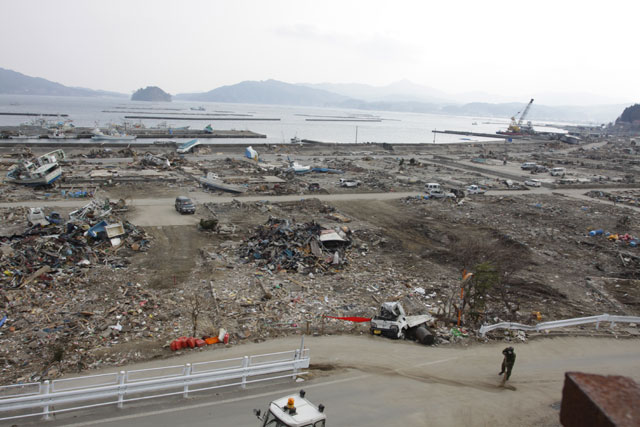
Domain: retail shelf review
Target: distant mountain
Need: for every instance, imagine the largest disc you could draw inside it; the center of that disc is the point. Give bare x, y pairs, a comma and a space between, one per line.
151, 93
400, 91
592, 114
14, 83
267, 92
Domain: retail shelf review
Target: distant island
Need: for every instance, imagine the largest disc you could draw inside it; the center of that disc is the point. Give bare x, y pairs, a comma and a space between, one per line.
151, 93
402, 96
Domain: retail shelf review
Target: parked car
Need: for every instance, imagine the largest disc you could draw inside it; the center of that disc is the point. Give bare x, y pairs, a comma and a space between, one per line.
474, 189
184, 205
439, 194
528, 166
557, 171
349, 183
533, 183
539, 169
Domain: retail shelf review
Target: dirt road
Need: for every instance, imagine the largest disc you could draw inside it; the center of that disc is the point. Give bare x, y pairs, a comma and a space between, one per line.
160, 211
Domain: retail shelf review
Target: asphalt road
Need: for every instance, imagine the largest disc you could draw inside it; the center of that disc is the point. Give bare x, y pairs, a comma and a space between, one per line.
381, 382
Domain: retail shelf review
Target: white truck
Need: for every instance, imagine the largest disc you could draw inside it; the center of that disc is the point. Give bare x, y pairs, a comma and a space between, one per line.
474, 189
292, 411
392, 322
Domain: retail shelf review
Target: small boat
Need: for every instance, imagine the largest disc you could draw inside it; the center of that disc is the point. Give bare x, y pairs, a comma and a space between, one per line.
296, 140
208, 129
115, 136
297, 167
211, 181
43, 170
60, 135
23, 137
187, 146
200, 108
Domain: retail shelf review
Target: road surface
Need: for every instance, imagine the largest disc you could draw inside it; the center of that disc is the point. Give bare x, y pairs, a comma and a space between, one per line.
381, 382
160, 211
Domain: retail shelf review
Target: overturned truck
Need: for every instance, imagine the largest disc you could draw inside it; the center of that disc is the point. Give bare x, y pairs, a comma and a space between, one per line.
393, 322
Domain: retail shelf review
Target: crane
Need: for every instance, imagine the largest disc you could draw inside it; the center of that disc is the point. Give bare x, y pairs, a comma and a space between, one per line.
516, 126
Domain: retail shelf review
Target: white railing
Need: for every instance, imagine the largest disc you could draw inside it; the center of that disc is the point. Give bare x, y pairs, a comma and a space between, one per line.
64, 395
561, 323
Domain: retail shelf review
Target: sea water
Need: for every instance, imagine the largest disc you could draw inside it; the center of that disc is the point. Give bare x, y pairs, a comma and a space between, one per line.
392, 127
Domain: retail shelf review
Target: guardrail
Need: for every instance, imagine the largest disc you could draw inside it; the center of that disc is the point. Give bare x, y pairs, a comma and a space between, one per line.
561, 323
128, 386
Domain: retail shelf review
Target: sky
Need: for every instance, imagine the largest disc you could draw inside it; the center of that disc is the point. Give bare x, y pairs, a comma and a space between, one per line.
513, 50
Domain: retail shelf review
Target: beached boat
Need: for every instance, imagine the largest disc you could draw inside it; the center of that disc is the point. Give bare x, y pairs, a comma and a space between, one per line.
200, 108
187, 146
211, 181
43, 170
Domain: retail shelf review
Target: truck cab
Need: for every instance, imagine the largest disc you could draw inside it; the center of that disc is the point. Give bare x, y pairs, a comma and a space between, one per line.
393, 322
292, 411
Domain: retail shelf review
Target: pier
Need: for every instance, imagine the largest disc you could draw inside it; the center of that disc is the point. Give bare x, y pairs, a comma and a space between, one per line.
479, 134
4, 113
37, 133
203, 118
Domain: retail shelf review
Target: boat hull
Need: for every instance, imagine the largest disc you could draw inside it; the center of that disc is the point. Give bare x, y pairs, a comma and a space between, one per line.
113, 138
47, 179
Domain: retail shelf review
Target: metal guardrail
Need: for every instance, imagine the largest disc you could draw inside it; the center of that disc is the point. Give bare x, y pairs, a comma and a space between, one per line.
120, 388
561, 323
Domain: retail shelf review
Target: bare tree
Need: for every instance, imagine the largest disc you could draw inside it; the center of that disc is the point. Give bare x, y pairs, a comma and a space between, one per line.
492, 264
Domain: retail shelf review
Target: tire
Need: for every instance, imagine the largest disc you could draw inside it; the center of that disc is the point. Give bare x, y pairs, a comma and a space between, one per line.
394, 333
424, 336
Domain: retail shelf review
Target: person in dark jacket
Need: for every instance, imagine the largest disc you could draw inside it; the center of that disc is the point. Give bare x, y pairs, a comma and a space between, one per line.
507, 363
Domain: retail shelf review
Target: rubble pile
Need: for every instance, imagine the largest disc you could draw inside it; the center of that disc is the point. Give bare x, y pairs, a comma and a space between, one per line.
283, 244
106, 153
52, 303
631, 198
67, 247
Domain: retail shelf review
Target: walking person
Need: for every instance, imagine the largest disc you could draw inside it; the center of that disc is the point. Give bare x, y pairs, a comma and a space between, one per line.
507, 363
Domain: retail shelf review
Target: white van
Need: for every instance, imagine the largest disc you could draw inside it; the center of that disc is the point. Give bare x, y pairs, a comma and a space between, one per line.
557, 172
433, 186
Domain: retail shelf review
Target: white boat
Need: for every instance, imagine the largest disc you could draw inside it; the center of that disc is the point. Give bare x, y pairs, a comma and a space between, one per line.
23, 137
60, 135
113, 137
200, 108
187, 146
211, 181
43, 170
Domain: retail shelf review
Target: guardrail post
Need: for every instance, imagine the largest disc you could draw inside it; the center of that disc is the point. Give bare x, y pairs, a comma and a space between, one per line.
245, 366
121, 388
187, 373
597, 324
45, 391
301, 355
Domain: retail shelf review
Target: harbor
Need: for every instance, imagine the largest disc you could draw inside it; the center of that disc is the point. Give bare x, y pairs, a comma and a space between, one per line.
25, 134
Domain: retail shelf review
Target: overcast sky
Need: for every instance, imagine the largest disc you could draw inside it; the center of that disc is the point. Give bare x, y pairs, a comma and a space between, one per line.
515, 49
